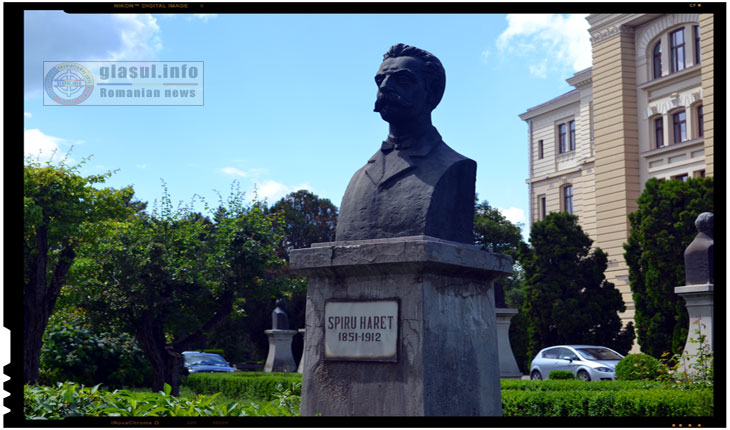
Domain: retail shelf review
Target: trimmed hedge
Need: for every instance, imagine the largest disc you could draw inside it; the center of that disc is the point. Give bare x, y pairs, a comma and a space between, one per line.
614, 403
245, 385
577, 385
561, 374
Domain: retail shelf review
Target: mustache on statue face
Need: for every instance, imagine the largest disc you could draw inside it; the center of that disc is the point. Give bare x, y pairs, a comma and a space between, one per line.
390, 98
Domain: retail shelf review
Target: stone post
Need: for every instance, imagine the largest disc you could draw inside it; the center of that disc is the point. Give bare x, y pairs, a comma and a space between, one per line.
280, 358
508, 368
301, 360
400, 327
698, 293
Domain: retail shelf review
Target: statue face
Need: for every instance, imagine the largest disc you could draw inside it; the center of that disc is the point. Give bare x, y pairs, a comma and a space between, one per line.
402, 91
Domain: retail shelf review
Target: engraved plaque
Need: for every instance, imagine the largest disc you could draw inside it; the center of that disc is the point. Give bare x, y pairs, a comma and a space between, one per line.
361, 330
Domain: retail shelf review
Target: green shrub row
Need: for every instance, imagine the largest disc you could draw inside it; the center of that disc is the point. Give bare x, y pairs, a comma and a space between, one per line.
578, 385
658, 402
561, 374
71, 400
245, 385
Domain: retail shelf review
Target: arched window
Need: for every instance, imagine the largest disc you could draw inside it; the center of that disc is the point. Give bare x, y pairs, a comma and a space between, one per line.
676, 45
657, 60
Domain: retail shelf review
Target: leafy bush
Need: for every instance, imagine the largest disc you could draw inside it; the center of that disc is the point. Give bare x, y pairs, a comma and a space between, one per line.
561, 374
636, 367
69, 399
658, 402
75, 351
245, 385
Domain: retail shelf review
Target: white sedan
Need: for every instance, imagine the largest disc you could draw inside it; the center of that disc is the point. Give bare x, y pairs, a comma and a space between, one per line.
587, 362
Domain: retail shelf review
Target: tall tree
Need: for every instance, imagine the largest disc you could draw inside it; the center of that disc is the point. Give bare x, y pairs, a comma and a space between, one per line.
661, 228
57, 203
494, 230
567, 297
307, 219
171, 277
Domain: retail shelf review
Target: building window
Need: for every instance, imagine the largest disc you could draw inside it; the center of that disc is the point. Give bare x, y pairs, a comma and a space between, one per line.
683, 177
541, 207
700, 121
657, 60
659, 132
697, 44
540, 149
698, 173
679, 120
568, 199
562, 138
572, 135
676, 44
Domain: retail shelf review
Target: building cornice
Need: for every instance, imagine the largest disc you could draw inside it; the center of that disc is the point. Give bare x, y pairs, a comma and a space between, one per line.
563, 100
581, 78
605, 26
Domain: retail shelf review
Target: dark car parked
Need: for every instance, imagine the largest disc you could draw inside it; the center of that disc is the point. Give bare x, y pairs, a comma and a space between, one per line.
196, 362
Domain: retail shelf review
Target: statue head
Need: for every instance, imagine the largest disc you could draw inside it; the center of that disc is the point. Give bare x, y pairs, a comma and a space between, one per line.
705, 223
410, 82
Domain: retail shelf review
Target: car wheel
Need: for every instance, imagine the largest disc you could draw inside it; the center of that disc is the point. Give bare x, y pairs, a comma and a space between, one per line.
584, 376
535, 375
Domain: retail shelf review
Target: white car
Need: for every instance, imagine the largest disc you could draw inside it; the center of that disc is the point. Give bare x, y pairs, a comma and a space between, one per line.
587, 362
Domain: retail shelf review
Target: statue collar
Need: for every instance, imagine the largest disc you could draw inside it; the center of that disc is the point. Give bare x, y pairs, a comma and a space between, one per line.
418, 146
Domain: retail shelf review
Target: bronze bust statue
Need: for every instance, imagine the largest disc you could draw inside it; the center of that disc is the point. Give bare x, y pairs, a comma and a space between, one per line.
414, 184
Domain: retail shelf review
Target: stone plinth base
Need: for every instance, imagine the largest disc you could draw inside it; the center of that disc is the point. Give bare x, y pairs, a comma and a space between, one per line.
447, 361
280, 358
699, 300
508, 368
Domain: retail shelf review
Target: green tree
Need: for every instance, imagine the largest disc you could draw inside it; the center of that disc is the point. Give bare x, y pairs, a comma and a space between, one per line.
307, 218
661, 228
567, 297
493, 230
171, 277
58, 202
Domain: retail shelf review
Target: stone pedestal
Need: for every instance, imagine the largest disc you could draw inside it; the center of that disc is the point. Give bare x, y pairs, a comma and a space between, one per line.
280, 358
507, 364
301, 360
445, 361
699, 300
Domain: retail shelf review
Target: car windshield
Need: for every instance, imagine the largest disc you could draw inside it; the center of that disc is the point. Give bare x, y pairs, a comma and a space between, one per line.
205, 360
598, 354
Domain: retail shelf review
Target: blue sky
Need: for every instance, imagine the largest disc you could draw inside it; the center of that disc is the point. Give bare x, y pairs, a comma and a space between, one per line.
289, 98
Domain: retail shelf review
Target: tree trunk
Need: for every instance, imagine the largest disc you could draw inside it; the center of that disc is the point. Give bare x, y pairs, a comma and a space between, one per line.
165, 361
39, 299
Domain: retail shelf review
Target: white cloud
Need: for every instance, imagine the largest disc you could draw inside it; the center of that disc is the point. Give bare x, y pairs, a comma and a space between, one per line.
202, 16
43, 147
234, 172
58, 36
27, 114
514, 215
485, 56
554, 43
273, 191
